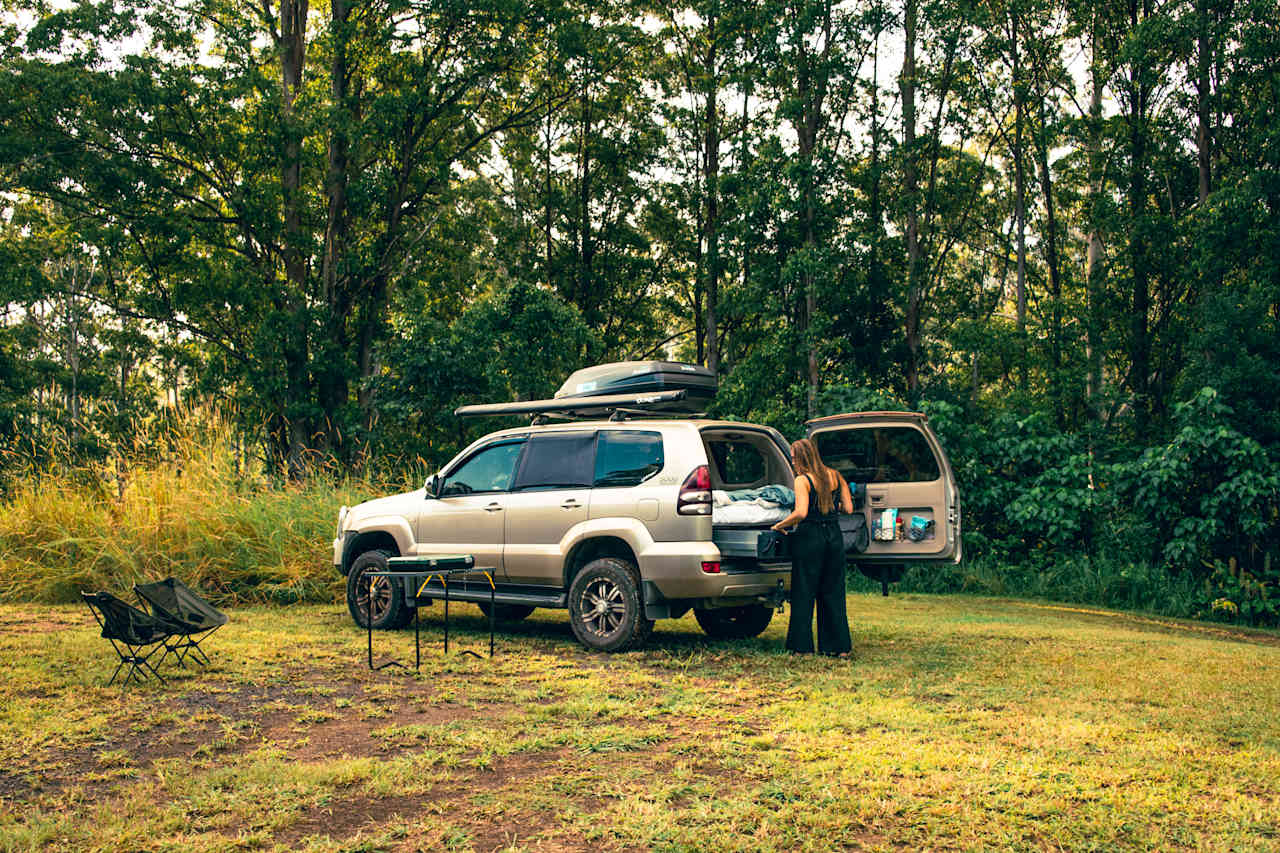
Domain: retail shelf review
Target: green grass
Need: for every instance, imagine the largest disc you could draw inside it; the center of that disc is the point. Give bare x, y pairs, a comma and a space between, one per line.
961, 722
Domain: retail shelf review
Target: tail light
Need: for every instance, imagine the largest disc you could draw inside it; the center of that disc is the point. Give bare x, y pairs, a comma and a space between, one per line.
711, 567
695, 493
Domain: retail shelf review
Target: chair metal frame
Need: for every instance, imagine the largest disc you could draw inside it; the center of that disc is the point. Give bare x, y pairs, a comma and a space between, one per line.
138, 662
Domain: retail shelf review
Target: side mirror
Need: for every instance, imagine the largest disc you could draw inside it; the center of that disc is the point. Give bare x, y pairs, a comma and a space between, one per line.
433, 486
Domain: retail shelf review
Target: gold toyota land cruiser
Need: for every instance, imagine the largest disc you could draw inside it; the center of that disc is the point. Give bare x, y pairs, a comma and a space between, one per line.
622, 505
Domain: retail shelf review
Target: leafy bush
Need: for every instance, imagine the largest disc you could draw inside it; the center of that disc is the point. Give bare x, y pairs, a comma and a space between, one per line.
1211, 494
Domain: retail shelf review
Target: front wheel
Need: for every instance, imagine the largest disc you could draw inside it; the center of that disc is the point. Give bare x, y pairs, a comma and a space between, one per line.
376, 600
605, 609
735, 623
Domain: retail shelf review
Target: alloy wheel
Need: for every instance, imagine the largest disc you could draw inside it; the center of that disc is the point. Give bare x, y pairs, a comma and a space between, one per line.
603, 607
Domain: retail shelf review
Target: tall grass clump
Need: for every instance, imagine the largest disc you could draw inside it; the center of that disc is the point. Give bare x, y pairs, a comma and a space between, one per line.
192, 506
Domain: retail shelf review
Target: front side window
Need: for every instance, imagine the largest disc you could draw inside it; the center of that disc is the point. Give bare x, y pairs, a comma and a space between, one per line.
879, 455
626, 458
489, 470
558, 461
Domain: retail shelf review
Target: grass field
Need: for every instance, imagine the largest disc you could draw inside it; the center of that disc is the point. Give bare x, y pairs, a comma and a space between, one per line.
960, 723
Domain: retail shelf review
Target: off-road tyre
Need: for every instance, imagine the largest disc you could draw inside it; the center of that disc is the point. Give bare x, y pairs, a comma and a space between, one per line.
735, 623
506, 612
605, 608
389, 609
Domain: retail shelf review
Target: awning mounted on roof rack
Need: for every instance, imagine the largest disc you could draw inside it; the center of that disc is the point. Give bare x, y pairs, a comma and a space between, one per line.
576, 406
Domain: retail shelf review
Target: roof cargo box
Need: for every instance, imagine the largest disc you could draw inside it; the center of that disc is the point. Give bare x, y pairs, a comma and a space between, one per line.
641, 377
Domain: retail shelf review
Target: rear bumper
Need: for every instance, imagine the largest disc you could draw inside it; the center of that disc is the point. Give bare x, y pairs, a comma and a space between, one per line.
675, 571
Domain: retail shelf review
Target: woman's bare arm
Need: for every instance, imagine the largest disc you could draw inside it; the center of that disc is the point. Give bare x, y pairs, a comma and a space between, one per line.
802, 504
846, 497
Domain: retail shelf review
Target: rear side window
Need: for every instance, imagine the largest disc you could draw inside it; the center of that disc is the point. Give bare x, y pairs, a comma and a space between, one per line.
737, 462
625, 458
558, 461
879, 455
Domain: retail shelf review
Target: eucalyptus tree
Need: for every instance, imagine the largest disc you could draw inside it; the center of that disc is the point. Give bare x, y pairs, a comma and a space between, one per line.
276, 168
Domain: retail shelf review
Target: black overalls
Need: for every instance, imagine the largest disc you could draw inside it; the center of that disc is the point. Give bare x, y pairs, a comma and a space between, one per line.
817, 576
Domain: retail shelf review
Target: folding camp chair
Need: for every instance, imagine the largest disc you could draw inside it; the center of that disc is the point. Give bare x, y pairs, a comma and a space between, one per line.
130, 631
190, 619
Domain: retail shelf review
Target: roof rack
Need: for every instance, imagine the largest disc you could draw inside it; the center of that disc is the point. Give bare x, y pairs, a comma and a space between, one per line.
614, 406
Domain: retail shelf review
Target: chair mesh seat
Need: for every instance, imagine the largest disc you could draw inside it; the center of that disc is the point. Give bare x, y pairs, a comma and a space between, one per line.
188, 617
173, 600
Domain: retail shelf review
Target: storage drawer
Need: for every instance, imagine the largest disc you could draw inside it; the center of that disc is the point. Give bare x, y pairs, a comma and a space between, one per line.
742, 542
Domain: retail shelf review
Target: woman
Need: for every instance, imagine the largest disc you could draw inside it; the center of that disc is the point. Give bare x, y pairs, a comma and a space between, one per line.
817, 554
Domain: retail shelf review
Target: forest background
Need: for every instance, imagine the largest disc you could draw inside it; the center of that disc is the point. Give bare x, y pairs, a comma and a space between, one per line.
254, 254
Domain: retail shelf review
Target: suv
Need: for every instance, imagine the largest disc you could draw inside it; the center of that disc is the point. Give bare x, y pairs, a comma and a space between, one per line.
612, 520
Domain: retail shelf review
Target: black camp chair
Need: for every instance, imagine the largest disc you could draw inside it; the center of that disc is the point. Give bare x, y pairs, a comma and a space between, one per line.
131, 631
189, 618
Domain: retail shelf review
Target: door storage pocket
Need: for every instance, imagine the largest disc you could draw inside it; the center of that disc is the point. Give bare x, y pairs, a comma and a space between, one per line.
853, 529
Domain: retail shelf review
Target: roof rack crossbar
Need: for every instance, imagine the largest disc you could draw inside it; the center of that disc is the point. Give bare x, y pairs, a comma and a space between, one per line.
570, 407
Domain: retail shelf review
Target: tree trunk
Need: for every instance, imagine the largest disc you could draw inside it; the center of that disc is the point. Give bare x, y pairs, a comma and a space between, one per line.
293, 34
1093, 269
1020, 196
546, 212
911, 185
334, 388
811, 87
1051, 261
585, 301
1139, 334
1202, 99
711, 179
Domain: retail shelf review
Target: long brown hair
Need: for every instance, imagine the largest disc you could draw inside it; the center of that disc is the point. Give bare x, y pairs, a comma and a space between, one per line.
809, 461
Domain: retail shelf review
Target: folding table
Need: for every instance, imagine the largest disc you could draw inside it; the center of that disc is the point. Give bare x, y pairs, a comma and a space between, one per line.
416, 575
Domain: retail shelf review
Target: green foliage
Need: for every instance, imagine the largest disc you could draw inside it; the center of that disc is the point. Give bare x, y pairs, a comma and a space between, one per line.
1072, 235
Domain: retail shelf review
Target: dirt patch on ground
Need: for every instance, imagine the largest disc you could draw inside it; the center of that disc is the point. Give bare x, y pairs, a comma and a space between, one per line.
227, 720
362, 813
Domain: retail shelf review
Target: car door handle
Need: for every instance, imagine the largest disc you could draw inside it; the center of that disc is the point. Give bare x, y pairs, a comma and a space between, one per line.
570, 504
493, 507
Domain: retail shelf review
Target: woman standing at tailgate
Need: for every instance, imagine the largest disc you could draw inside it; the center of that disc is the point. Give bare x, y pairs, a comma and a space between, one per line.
817, 554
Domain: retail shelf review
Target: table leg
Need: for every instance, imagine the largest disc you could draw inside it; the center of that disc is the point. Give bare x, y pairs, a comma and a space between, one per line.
368, 617
492, 608
417, 648
446, 617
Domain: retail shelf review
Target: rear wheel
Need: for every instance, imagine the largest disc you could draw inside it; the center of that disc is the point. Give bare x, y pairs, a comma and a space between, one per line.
736, 623
506, 612
379, 600
605, 609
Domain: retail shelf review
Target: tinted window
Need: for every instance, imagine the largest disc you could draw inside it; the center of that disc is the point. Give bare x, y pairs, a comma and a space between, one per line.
738, 462
489, 470
879, 455
627, 458
558, 461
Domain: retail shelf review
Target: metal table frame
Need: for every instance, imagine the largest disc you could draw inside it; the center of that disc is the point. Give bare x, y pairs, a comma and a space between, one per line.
431, 571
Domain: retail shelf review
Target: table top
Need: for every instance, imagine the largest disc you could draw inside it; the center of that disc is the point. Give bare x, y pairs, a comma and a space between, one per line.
434, 562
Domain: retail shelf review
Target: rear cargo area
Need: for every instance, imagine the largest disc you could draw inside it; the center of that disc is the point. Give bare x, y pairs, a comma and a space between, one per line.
751, 482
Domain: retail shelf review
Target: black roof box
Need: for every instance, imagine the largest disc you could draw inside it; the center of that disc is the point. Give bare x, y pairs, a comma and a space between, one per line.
643, 377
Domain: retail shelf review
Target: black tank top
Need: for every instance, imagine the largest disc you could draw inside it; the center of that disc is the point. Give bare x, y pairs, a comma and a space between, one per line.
816, 515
